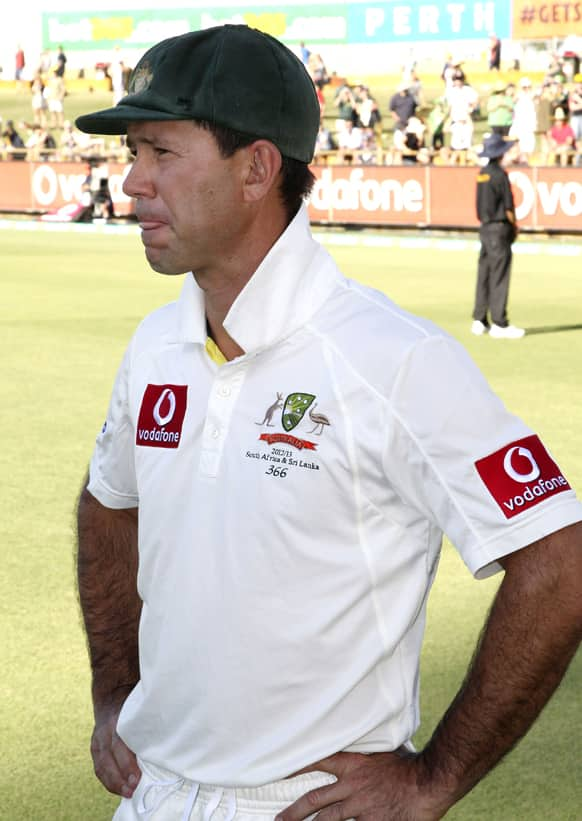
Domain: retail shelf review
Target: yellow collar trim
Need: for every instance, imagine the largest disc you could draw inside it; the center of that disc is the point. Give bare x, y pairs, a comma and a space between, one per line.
214, 352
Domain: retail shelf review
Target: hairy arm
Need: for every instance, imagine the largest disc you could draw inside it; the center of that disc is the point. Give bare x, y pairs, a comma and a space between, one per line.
533, 630
107, 562
531, 635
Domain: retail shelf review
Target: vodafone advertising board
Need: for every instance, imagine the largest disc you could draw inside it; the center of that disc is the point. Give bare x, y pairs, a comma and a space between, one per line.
45, 186
444, 197
545, 198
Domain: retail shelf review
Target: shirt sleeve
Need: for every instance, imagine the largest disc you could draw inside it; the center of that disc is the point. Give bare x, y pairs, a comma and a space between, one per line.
446, 422
112, 477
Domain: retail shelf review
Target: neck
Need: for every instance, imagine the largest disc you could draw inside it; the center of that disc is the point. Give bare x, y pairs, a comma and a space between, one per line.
221, 288
229, 348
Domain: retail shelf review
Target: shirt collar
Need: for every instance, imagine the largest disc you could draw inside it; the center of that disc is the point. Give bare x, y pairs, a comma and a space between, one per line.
291, 283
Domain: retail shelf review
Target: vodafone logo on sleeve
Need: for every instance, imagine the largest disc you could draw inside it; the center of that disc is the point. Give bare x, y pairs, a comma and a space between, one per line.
161, 416
520, 475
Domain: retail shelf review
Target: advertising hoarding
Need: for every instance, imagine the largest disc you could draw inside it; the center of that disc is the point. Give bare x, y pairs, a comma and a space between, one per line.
434, 197
352, 23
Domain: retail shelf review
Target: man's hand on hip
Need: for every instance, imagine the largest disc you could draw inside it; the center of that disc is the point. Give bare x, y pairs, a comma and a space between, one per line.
376, 787
115, 764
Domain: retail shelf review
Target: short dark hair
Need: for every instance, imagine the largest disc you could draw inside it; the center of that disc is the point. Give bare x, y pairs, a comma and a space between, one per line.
297, 179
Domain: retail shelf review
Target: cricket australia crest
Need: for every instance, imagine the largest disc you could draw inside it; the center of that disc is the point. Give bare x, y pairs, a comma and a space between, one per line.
295, 408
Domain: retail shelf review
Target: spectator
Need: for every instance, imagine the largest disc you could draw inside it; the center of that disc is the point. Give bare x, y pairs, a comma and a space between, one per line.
555, 71
349, 141
575, 108
19, 64
54, 93
320, 100
118, 75
41, 144
402, 107
44, 63
346, 108
562, 139
524, 124
461, 131
325, 140
436, 121
451, 66
73, 142
559, 97
304, 53
515, 55
500, 110
543, 107
317, 71
494, 52
61, 63
368, 154
102, 201
14, 141
413, 141
367, 110
462, 100
39, 103
415, 88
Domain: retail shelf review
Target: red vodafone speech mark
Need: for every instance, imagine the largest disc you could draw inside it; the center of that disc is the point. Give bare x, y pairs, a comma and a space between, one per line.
521, 475
161, 416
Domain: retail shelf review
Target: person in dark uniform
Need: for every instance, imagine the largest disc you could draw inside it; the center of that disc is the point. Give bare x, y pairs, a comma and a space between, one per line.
496, 213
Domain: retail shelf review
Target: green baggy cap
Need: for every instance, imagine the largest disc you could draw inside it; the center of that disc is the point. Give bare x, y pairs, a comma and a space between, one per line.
233, 76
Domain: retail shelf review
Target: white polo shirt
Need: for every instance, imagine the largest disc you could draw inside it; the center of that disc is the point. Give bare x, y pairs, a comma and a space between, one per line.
291, 507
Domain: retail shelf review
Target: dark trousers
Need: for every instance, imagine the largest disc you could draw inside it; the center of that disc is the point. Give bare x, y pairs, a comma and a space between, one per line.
493, 273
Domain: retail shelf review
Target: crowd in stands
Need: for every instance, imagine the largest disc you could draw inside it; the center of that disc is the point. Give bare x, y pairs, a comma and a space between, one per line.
41, 142
47, 135
544, 119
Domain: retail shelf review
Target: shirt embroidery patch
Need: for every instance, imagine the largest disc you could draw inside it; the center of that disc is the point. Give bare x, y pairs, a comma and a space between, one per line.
161, 416
521, 475
298, 409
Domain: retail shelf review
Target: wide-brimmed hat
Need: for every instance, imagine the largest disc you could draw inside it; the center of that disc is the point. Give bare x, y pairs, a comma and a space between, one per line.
232, 76
495, 146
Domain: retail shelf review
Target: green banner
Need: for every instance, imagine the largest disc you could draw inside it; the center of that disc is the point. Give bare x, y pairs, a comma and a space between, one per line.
93, 30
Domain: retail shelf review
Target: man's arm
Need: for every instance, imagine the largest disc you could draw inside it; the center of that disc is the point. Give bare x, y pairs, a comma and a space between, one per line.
107, 563
531, 635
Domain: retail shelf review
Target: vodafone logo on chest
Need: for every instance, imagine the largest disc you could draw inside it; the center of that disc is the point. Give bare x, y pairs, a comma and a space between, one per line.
161, 416
521, 475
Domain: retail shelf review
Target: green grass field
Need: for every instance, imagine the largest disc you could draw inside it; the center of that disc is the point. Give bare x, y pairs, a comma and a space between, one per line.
69, 304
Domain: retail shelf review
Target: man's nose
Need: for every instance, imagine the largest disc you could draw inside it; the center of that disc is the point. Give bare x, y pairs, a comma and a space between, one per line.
138, 181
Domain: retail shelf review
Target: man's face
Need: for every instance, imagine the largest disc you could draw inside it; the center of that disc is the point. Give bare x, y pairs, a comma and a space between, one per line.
188, 197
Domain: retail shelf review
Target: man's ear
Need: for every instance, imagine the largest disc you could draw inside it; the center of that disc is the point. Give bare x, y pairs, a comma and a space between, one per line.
261, 171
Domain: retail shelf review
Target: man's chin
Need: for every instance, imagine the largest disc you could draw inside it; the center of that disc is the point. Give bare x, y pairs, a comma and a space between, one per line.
165, 266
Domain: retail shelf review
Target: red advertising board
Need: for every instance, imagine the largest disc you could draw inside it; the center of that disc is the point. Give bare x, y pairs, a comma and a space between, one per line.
441, 197
44, 186
545, 198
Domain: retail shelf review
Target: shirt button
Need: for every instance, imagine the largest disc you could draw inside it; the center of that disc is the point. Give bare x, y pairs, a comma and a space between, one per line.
224, 390
215, 433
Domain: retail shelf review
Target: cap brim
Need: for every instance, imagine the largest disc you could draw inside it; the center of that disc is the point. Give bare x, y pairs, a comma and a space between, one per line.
115, 120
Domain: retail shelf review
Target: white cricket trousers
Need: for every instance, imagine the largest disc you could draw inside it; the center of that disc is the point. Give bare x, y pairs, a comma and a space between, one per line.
163, 796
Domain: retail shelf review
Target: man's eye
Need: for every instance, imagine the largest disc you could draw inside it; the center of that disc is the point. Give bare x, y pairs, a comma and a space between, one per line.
159, 150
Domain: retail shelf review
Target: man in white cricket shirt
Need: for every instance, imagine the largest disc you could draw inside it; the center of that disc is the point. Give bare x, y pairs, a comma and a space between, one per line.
282, 453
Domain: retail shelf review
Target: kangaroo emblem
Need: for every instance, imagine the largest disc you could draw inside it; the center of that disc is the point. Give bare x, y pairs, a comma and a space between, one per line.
320, 420
278, 403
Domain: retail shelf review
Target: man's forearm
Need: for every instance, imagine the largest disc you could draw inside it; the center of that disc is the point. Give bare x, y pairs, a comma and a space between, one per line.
531, 635
107, 564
